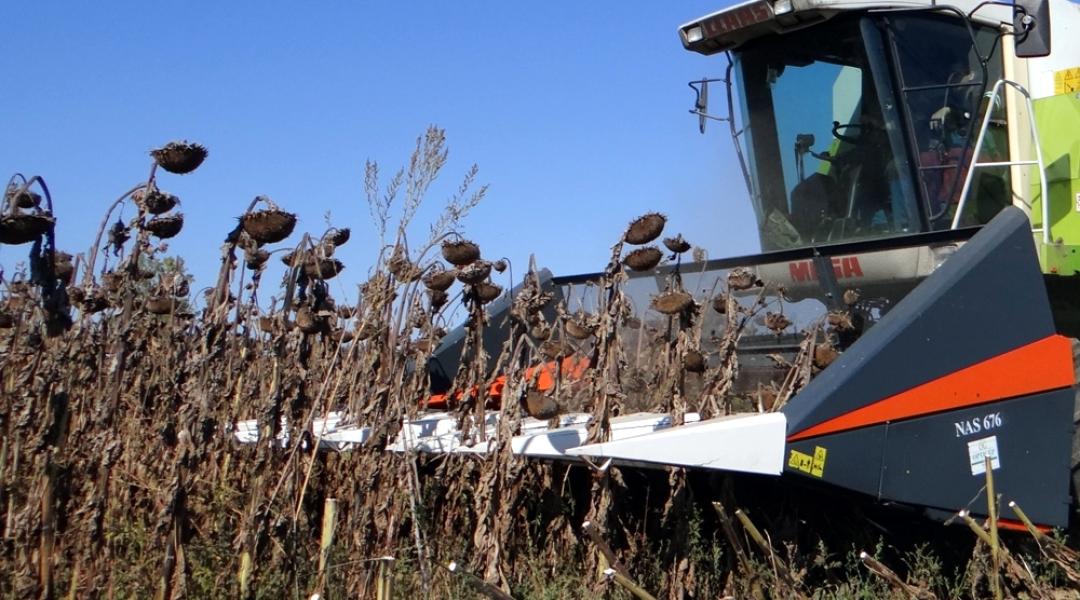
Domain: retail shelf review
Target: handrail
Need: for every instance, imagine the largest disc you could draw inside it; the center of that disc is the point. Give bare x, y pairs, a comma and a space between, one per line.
975, 164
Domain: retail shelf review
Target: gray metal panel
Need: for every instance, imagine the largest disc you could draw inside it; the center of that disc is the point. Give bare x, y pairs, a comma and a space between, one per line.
928, 460
987, 299
853, 459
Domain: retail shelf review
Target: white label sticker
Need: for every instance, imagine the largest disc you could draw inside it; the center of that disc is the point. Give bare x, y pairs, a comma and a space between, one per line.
1078, 202
981, 449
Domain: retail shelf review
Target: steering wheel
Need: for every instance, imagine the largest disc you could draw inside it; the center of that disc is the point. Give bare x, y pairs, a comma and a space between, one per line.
837, 126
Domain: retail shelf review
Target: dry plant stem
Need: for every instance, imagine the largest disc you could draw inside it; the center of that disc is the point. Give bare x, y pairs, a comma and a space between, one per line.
326, 539
165, 581
469, 382
1070, 556
27, 184
418, 534
779, 568
243, 574
9, 205
732, 537
720, 381
501, 469
605, 550
481, 586
799, 374
1066, 559
73, 587
1017, 572
48, 533
319, 405
607, 364
92, 258
228, 259
384, 589
975, 528
894, 580
627, 584
239, 298
142, 239
1032, 529
991, 500
414, 493
396, 363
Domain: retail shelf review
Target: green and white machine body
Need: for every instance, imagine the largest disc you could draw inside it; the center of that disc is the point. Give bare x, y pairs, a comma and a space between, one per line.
1058, 119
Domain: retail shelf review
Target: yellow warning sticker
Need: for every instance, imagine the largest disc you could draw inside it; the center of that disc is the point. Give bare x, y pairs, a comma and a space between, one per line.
1067, 81
818, 468
813, 464
800, 461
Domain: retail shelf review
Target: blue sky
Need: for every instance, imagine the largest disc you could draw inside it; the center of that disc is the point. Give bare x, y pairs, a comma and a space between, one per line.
576, 114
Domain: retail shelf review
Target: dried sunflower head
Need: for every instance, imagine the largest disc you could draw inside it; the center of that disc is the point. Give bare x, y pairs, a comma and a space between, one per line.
824, 355
672, 302
694, 361
155, 202
645, 228
475, 272
268, 226
720, 303
438, 299
179, 157
22, 228
777, 322
323, 268
460, 252
841, 320
338, 237
440, 280
539, 405
255, 260
643, 259
742, 278
165, 227
677, 244
581, 326
486, 291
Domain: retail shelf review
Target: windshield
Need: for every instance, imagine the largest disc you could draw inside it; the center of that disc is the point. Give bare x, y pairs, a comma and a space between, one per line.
826, 154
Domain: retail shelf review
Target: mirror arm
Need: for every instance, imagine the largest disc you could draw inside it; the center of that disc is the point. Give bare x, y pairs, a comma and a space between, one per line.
706, 115
735, 133
980, 5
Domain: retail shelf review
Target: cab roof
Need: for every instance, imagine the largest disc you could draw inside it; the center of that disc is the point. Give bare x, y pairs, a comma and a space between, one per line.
731, 27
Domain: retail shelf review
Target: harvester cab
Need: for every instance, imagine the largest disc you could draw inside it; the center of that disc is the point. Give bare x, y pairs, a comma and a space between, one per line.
862, 120
914, 172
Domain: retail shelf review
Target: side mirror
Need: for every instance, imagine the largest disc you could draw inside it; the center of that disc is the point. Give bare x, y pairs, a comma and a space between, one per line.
1031, 24
701, 104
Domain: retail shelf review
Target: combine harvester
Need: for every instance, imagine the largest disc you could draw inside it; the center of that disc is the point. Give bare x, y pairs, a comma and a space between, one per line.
916, 167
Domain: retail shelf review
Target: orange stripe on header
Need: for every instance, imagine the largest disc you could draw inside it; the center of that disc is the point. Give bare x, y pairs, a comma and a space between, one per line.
1039, 366
1012, 525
